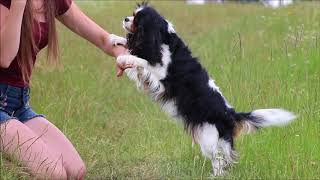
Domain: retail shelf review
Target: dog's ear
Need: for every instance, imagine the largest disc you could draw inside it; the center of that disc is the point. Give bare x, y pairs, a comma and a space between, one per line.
146, 41
143, 4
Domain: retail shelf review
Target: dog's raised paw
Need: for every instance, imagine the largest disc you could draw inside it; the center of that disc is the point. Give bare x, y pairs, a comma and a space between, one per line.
131, 61
117, 40
126, 60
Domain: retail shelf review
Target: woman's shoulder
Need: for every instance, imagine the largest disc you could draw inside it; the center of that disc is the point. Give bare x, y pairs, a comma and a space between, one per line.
62, 6
6, 3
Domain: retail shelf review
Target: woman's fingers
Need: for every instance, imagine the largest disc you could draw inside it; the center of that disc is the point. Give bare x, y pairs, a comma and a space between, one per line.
122, 67
119, 72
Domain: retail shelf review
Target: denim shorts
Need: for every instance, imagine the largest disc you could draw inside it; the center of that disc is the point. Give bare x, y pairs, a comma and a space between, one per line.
14, 104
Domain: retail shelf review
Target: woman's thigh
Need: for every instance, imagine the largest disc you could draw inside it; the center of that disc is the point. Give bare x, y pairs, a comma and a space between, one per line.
58, 142
20, 142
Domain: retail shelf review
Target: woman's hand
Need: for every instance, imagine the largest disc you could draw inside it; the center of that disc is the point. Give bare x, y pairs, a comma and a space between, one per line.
82, 25
118, 51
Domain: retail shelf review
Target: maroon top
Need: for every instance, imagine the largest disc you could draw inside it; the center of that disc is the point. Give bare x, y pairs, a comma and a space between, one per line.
13, 75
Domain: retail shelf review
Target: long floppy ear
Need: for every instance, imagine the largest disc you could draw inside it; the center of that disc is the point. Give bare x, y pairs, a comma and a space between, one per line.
147, 41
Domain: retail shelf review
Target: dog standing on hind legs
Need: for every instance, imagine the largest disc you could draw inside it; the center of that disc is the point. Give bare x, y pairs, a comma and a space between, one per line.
163, 67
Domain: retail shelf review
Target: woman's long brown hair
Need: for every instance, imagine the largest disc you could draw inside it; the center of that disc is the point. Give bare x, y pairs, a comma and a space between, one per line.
28, 46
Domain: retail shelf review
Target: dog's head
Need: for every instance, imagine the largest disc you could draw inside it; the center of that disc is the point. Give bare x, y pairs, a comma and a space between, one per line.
147, 31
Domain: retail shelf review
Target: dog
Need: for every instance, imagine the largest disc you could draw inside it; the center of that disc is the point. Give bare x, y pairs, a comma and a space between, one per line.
163, 67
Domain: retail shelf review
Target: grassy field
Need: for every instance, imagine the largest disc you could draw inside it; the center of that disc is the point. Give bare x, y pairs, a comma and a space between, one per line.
259, 57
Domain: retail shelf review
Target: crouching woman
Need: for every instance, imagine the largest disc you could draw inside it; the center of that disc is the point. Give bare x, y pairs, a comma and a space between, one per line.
27, 26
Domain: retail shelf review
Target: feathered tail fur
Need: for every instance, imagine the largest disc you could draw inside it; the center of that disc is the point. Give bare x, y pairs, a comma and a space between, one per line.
250, 122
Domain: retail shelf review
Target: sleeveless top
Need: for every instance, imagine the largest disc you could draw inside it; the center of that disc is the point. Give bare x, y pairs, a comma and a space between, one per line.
13, 75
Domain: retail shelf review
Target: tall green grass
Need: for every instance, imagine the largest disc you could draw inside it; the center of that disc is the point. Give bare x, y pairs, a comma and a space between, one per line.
259, 57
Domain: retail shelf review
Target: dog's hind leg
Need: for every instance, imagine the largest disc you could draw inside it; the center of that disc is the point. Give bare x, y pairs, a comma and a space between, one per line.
228, 155
208, 136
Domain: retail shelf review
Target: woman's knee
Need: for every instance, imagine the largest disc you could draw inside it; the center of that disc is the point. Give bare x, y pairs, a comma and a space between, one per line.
82, 172
22, 144
77, 170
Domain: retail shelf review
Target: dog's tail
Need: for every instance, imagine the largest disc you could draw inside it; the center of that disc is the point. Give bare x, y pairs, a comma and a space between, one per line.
250, 122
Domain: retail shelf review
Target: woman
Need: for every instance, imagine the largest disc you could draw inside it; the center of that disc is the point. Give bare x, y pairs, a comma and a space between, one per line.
27, 26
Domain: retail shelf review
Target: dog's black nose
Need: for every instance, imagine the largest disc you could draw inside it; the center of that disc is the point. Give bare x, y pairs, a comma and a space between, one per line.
126, 19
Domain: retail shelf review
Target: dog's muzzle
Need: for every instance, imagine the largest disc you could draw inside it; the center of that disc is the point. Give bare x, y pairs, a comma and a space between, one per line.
128, 24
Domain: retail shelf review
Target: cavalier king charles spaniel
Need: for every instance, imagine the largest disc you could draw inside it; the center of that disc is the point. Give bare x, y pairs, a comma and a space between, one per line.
163, 67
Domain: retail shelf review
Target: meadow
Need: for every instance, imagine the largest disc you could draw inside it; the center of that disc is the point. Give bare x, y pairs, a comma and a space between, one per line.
259, 57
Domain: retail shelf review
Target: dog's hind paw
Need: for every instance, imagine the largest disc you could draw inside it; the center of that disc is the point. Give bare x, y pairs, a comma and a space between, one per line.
218, 172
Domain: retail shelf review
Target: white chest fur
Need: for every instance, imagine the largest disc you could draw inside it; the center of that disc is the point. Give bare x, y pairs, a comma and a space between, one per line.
160, 71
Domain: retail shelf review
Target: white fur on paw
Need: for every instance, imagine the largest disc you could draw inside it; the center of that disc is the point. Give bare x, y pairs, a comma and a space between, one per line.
131, 60
126, 60
219, 166
117, 40
218, 172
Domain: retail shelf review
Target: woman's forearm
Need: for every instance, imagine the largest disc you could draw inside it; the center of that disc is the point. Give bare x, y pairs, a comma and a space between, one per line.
10, 31
82, 25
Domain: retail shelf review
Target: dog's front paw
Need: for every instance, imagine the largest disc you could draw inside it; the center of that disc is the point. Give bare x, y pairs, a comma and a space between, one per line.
131, 61
125, 60
117, 40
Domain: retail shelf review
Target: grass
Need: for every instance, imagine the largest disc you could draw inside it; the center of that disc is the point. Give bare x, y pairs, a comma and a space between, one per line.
259, 57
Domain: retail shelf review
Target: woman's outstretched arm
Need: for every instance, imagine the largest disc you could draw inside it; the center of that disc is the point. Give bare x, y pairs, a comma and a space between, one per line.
82, 25
10, 31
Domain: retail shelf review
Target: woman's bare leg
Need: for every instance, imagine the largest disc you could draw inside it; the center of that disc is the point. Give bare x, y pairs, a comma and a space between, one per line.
20, 142
58, 142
